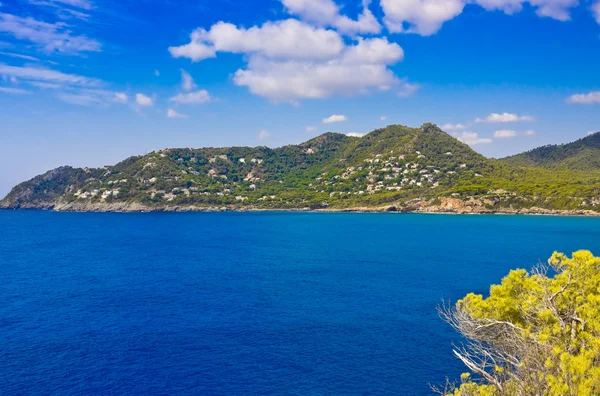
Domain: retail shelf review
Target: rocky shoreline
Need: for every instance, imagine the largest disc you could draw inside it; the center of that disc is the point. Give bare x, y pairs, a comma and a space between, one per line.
444, 206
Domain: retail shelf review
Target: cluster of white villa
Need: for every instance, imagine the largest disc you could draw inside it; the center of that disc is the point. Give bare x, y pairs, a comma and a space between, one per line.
387, 173
102, 193
380, 173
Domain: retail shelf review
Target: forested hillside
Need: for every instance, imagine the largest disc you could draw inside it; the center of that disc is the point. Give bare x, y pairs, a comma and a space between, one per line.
397, 167
582, 155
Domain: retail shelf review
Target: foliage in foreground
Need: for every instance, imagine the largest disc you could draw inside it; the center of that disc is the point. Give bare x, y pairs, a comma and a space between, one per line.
538, 333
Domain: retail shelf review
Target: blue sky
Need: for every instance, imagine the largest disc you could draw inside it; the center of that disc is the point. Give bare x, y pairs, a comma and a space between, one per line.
90, 82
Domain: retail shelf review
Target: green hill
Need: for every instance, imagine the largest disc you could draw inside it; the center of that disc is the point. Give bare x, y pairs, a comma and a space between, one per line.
393, 168
583, 155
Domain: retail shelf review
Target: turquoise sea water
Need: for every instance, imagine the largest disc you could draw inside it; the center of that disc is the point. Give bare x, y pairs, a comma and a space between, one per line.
249, 303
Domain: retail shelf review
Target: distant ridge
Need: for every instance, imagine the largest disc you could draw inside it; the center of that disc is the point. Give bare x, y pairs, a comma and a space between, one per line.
583, 155
396, 168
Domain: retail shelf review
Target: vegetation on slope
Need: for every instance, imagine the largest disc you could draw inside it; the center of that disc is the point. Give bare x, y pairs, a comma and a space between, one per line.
582, 155
538, 332
392, 165
44, 189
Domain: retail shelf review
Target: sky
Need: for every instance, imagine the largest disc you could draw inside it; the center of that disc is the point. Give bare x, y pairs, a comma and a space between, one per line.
91, 82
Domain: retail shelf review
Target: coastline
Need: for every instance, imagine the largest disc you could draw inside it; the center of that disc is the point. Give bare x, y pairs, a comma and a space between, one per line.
451, 209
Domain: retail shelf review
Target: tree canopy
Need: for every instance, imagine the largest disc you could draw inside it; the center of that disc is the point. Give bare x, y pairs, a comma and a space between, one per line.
538, 332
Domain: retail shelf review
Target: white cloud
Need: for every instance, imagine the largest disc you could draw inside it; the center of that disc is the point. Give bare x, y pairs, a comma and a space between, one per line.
290, 81
66, 13
187, 82
64, 8
327, 13
383, 118
452, 127
289, 39
596, 11
530, 133
173, 114
143, 100
120, 97
84, 4
504, 117
366, 22
263, 134
472, 138
290, 60
80, 99
585, 98
83, 96
373, 51
156, 73
408, 89
20, 56
335, 118
11, 79
51, 37
556, 9
16, 91
43, 74
505, 133
355, 134
426, 17
319, 11
196, 49
197, 97
45, 85
310, 128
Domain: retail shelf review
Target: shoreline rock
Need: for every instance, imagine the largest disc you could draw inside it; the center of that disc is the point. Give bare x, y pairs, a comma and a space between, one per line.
418, 205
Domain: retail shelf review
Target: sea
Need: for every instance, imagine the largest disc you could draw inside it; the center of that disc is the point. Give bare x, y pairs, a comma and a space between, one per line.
250, 303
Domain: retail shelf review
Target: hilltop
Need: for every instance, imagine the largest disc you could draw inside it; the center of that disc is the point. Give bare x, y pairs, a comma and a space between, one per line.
393, 168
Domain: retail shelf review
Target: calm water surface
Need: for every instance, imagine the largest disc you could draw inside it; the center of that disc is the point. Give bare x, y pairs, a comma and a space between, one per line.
249, 303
